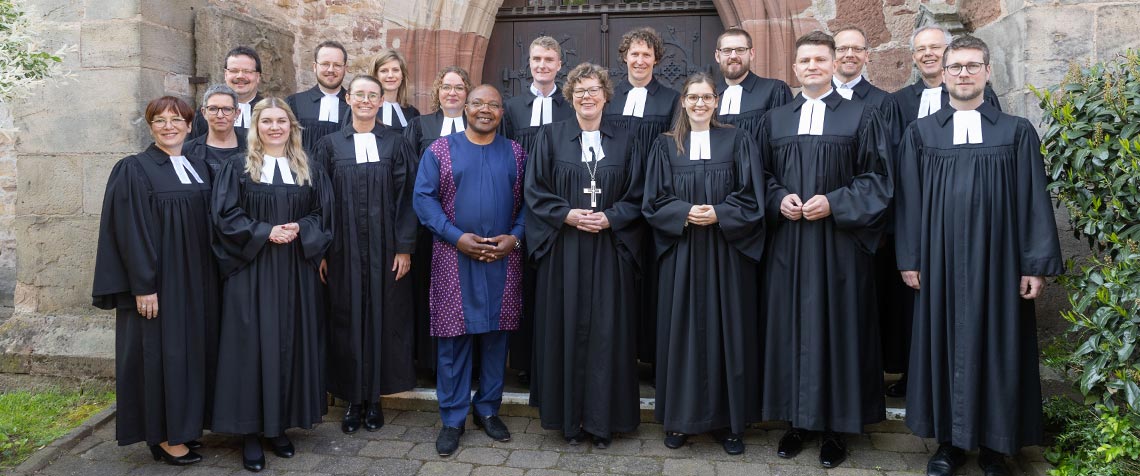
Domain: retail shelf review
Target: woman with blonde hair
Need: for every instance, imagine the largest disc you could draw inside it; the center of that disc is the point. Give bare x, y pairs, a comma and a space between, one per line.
390, 67
270, 213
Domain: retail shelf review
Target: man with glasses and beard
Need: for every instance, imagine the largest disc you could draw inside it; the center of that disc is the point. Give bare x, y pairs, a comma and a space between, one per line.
852, 55
320, 109
744, 96
242, 68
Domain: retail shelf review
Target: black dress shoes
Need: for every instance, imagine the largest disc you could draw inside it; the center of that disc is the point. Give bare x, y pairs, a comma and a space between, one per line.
193, 444
493, 427
600, 442
352, 417
732, 442
792, 442
992, 462
832, 450
282, 447
373, 417
675, 440
252, 456
448, 440
160, 454
945, 461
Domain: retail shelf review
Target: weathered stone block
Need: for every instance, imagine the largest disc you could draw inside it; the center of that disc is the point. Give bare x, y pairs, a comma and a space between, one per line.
59, 10
49, 185
177, 15
166, 49
96, 169
1116, 29
56, 257
868, 15
216, 31
111, 124
110, 44
1006, 39
1054, 37
111, 9
66, 345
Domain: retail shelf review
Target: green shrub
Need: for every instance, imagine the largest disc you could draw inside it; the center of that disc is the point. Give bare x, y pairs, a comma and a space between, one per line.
1092, 154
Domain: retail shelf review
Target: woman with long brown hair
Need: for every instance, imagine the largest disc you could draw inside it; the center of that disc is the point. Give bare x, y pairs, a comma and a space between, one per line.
270, 211
390, 67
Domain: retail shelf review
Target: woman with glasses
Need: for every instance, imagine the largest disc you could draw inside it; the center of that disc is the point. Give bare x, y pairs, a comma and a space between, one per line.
584, 231
270, 213
390, 67
451, 86
371, 169
154, 268
704, 197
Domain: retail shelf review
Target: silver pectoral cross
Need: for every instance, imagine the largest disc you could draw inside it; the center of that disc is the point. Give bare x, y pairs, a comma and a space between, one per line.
593, 192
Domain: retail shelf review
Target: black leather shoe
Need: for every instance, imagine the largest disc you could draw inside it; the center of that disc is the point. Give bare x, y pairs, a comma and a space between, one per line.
252, 456
373, 417
579, 438
448, 440
832, 450
493, 427
897, 389
351, 421
193, 444
992, 462
282, 447
160, 454
675, 440
945, 461
732, 442
601, 443
792, 442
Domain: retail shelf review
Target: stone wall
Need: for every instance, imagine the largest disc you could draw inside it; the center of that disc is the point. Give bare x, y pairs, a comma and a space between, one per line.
7, 211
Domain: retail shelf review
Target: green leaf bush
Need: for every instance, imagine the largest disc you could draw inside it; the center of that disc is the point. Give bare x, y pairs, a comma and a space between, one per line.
1092, 155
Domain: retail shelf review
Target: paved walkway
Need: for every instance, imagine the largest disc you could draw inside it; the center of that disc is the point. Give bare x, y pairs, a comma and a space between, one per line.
406, 446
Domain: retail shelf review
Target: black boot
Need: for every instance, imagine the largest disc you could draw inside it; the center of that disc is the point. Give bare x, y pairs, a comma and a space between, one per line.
351, 421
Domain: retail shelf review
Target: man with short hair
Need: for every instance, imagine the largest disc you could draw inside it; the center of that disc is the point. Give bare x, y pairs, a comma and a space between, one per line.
220, 143
320, 108
852, 55
744, 96
975, 237
242, 67
828, 191
469, 194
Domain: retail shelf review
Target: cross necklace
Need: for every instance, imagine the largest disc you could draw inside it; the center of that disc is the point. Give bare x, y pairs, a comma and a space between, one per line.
593, 191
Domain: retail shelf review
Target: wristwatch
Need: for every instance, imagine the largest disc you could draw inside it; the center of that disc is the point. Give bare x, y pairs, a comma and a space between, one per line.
518, 243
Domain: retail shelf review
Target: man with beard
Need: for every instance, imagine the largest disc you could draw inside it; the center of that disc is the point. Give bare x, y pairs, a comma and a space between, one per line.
320, 108
243, 75
975, 235
744, 96
469, 194
900, 109
826, 163
852, 54
220, 143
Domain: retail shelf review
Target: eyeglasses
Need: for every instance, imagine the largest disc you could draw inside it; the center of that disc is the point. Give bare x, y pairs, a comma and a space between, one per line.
237, 71
693, 99
222, 111
326, 66
739, 51
491, 106
845, 49
931, 48
971, 68
592, 92
370, 97
447, 88
174, 121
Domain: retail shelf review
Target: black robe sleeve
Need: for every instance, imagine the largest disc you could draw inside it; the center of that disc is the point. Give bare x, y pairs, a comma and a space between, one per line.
775, 191
1036, 227
625, 214
547, 209
741, 215
316, 227
414, 133
666, 213
126, 261
861, 207
908, 202
238, 237
404, 178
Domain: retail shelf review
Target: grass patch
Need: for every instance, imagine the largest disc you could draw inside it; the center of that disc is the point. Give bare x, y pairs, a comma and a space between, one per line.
29, 420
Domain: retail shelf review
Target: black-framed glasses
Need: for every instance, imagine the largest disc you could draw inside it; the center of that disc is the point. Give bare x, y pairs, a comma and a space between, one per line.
592, 92
855, 49
693, 99
740, 51
219, 110
491, 106
971, 68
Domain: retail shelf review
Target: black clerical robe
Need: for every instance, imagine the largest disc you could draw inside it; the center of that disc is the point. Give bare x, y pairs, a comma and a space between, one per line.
868, 93
214, 157
586, 299
973, 219
821, 362
760, 95
421, 132
271, 348
154, 237
199, 127
896, 299
306, 106
661, 103
708, 352
371, 314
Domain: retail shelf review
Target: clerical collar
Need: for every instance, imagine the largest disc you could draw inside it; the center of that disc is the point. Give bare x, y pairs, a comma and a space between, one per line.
700, 147
635, 102
451, 125
967, 127
281, 164
365, 146
812, 113
184, 170
592, 146
393, 108
930, 103
243, 117
730, 100
330, 107
538, 93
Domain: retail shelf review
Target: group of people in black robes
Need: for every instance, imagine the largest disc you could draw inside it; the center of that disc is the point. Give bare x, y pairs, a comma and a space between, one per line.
727, 234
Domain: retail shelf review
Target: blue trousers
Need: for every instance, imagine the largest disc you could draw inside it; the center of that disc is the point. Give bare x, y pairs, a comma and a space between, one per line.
453, 375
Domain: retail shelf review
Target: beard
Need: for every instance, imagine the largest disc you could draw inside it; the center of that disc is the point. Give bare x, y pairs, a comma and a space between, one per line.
966, 94
734, 75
